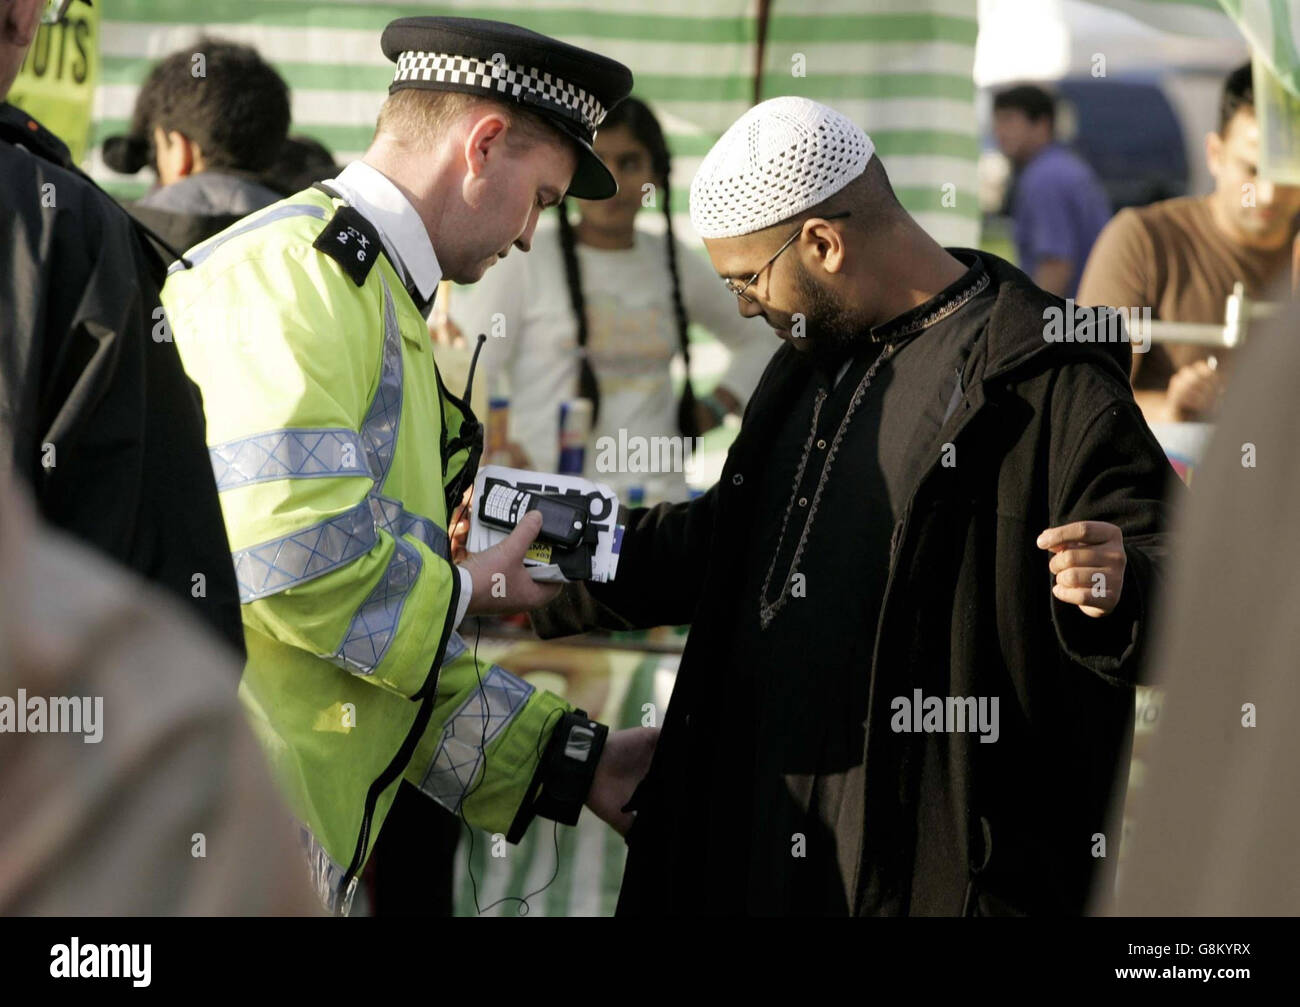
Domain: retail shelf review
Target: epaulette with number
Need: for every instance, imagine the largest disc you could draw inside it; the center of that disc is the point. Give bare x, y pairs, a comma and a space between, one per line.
350, 240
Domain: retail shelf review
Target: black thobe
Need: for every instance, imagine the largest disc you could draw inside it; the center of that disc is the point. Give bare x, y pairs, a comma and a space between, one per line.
840, 469
1044, 434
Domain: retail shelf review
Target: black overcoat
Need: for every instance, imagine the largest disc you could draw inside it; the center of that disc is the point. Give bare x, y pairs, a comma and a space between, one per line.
1047, 433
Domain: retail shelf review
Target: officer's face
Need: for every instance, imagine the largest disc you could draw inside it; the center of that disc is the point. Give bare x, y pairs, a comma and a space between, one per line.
529, 179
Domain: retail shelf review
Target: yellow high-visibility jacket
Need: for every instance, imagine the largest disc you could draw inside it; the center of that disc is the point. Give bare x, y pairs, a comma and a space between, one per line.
339, 456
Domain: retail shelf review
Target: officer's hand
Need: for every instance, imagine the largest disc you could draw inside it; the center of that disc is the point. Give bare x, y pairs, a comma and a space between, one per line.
501, 584
458, 530
623, 764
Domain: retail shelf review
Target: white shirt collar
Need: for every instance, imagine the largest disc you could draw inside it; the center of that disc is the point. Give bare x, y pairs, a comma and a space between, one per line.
400, 228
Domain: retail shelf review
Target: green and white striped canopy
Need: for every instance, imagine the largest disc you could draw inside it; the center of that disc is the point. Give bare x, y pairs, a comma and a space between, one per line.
903, 71
900, 68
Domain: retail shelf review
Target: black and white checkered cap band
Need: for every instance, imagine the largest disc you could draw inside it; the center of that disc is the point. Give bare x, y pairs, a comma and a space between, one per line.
538, 86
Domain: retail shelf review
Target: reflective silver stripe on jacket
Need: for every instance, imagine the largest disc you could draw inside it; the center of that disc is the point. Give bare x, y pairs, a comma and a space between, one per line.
470, 730
281, 563
201, 254
285, 562
379, 428
455, 647
375, 623
327, 876
397, 522
289, 453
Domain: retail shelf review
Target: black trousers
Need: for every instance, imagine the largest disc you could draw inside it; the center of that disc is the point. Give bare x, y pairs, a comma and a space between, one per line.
411, 867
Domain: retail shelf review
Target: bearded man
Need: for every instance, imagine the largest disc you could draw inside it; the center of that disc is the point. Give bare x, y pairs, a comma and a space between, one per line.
920, 590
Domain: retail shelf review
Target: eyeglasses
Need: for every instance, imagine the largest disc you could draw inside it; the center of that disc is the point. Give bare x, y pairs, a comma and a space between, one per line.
736, 287
57, 10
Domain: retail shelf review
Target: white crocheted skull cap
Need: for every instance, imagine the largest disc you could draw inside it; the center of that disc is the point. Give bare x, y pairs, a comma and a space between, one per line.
778, 159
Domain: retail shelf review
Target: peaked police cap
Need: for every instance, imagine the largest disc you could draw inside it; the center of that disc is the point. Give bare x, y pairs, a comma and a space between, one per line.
571, 88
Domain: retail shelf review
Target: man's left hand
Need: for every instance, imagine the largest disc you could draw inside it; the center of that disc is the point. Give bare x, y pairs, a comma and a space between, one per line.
1088, 560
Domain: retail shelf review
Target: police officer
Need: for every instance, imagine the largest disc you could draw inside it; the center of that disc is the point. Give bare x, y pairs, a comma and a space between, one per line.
340, 455
96, 413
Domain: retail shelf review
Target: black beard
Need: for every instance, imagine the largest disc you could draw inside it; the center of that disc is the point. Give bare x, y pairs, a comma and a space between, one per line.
831, 332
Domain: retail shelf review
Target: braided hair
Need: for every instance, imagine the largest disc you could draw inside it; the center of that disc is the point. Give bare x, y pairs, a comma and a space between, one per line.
636, 115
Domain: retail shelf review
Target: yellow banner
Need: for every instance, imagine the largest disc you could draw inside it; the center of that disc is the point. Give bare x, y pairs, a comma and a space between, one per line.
56, 84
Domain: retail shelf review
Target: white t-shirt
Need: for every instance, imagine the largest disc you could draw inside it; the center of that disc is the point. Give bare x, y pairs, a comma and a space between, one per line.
632, 341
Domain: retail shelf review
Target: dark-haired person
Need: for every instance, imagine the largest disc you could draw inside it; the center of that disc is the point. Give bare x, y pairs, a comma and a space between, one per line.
97, 415
1057, 204
209, 119
301, 162
919, 591
600, 310
1181, 257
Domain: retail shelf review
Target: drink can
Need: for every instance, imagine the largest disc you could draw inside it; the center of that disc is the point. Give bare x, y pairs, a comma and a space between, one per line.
498, 424
575, 429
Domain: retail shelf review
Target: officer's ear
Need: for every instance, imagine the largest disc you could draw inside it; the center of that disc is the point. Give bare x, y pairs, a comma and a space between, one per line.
484, 141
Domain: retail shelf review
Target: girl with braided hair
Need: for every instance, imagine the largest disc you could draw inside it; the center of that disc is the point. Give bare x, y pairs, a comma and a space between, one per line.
599, 309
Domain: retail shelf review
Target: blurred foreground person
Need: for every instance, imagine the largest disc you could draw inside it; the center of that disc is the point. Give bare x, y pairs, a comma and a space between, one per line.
1217, 815
96, 413
153, 797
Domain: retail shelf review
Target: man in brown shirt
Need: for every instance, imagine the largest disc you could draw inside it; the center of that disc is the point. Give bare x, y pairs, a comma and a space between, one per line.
1181, 257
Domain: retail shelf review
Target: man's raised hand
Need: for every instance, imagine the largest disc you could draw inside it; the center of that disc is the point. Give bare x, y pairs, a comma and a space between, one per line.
1088, 560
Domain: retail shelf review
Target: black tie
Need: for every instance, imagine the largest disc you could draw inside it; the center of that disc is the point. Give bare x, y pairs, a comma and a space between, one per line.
423, 306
